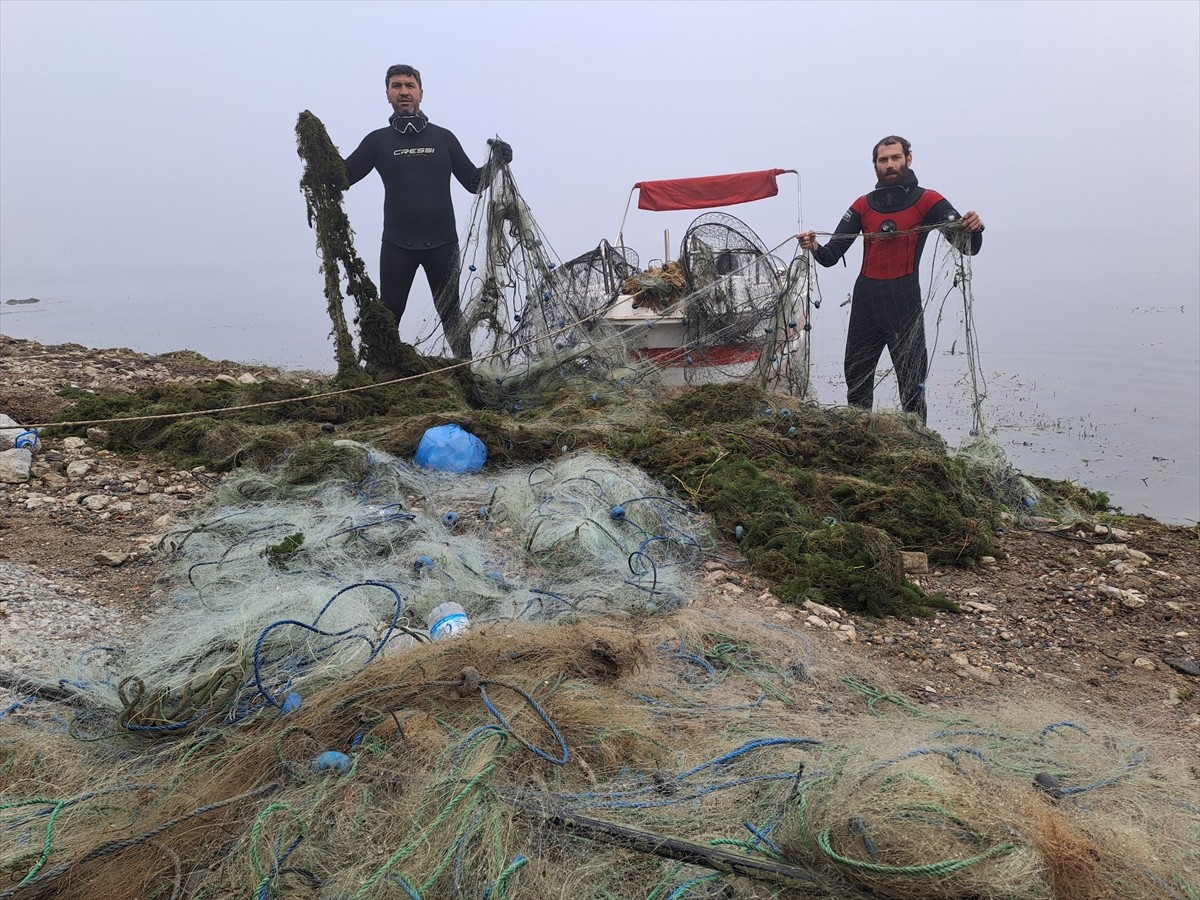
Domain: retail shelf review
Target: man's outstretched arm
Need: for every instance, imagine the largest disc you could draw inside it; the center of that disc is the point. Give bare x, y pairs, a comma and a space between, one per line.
475, 178
362, 160
843, 236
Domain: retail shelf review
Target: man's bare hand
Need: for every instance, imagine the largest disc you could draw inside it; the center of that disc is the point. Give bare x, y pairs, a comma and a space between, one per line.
972, 222
808, 239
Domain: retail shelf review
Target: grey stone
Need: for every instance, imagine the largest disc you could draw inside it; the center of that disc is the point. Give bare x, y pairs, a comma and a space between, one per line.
1186, 666
15, 465
79, 467
9, 429
1048, 783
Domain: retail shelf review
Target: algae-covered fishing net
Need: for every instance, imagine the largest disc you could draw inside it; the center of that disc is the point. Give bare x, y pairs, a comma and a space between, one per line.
728, 310
614, 723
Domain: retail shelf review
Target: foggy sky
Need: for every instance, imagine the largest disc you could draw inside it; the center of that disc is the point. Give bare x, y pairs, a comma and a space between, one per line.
160, 135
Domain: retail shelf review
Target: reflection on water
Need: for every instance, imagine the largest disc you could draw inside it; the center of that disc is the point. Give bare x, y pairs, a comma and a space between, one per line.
1111, 402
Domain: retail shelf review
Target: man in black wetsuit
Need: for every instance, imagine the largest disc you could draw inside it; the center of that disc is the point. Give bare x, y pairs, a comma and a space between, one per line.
415, 159
895, 220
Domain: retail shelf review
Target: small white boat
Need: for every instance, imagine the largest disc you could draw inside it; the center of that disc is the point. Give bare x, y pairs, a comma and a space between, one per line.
743, 316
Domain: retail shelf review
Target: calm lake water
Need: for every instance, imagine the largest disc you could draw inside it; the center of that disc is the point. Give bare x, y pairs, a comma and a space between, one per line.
1110, 399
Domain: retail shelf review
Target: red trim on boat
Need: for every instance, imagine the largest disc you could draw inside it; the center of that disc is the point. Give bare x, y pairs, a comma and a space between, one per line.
722, 355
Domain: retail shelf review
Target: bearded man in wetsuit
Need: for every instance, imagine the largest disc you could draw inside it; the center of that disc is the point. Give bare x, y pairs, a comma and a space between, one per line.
895, 219
415, 160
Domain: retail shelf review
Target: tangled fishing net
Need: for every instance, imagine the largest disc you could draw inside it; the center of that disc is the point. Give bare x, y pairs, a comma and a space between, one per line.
728, 310
285, 727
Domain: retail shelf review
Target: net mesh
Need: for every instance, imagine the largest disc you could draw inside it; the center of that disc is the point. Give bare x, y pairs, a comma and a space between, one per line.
610, 725
727, 311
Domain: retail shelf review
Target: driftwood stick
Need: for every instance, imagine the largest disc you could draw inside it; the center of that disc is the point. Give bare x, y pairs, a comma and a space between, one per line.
668, 848
23, 684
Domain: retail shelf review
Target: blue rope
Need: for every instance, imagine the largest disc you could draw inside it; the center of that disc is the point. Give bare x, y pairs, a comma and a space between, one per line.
694, 795
276, 865
224, 557
653, 569
262, 689
951, 753
750, 747
347, 633
401, 882
18, 705
541, 714
363, 526
717, 762
700, 661
763, 836
1054, 726
570, 605
1104, 782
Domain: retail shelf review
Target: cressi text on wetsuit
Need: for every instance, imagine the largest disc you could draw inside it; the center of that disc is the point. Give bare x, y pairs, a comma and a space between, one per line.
415, 160
886, 309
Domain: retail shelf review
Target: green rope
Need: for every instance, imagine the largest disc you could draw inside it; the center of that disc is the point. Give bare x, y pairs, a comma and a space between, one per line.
509, 871
877, 696
59, 806
444, 863
424, 833
255, 831
687, 886
935, 870
666, 879
730, 654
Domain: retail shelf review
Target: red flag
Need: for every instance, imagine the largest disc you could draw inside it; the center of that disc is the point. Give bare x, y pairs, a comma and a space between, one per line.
712, 190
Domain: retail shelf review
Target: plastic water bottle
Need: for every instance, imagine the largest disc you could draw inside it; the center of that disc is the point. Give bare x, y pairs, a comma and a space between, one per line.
446, 621
27, 440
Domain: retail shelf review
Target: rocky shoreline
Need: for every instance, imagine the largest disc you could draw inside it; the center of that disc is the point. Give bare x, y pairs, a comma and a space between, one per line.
1107, 619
